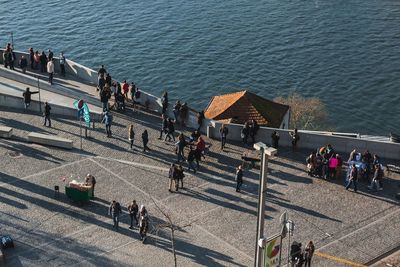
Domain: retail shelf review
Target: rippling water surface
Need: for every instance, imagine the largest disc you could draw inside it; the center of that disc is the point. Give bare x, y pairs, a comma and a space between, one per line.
347, 52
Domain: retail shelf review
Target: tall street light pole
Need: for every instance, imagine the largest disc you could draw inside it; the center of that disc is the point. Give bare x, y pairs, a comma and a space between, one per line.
266, 152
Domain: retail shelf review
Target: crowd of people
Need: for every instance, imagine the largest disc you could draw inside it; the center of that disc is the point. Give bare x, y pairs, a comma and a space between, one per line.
327, 164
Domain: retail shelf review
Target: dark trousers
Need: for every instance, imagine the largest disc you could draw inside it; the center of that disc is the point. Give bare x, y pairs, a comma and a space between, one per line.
131, 143
145, 147
51, 77
133, 216
47, 119
238, 185
62, 66
116, 220
161, 133
169, 136
307, 262
223, 142
354, 184
108, 129
42, 67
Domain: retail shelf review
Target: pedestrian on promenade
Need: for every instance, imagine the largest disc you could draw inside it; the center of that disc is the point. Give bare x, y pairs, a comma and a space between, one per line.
23, 64
133, 210
172, 177
62, 64
108, 79
164, 102
131, 135
353, 178
125, 89
31, 58
107, 120
101, 72
339, 166
136, 96
244, 134
6, 58
180, 146
179, 177
145, 139
183, 113
170, 131
275, 139
200, 119
190, 159
51, 55
90, 181
101, 83
46, 114
143, 223
37, 60
376, 179
12, 58
254, 127
115, 210
27, 97
43, 62
133, 91
50, 70
295, 138
223, 131
308, 253
164, 125
239, 178
177, 110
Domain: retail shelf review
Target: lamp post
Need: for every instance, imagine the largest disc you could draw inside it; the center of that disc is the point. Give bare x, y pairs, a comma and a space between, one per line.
266, 152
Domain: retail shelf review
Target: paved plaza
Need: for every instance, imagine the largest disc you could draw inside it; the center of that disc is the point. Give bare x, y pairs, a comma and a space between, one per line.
50, 230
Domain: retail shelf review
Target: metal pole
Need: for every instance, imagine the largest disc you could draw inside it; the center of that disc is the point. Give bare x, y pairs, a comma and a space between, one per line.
80, 130
288, 247
261, 206
40, 102
12, 40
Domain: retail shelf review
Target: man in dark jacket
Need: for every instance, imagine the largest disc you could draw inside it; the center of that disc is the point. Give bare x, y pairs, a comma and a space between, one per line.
115, 210
27, 97
164, 125
239, 178
46, 114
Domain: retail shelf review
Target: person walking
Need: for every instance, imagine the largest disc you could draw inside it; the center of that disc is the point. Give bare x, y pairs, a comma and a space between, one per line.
46, 114
50, 70
190, 159
353, 178
131, 135
164, 125
23, 64
107, 120
28, 97
172, 176
115, 210
179, 177
239, 178
308, 253
223, 131
133, 210
170, 130
275, 139
62, 63
180, 146
145, 140
143, 223
295, 138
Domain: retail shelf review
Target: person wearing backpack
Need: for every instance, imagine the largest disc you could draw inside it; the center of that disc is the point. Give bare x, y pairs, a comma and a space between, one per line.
223, 131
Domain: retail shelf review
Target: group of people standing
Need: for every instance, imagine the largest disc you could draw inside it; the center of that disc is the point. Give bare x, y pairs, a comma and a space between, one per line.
131, 138
250, 128
140, 216
324, 163
108, 87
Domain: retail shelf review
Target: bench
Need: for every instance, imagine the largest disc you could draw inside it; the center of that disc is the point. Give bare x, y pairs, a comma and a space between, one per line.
392, 168
50, 140
5, 132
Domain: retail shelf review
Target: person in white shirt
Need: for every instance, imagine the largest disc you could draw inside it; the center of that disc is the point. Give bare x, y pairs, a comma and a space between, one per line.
50, 70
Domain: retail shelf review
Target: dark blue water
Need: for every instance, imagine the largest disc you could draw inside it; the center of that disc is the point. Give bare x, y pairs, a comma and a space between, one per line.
347, 53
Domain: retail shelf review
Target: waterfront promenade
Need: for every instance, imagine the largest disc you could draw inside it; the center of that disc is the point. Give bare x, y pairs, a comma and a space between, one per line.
53, 231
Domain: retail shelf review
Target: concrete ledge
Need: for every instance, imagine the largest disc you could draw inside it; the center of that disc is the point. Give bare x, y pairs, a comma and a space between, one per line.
5, 132
50, 140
